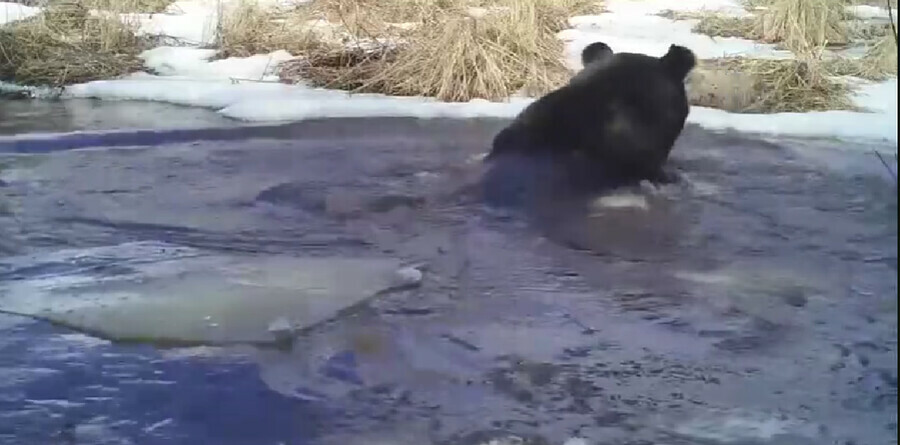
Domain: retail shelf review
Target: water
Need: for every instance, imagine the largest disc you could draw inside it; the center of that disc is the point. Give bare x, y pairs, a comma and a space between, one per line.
60, 116
752, 303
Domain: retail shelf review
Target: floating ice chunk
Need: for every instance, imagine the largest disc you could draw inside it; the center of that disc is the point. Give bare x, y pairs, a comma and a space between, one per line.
191, 296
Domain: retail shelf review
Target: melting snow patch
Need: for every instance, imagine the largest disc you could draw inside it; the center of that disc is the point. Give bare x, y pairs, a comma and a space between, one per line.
11, 12
651, 7
871, 12
194, 63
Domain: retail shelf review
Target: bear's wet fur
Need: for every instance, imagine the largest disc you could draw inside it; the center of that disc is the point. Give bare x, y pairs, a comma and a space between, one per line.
617, 119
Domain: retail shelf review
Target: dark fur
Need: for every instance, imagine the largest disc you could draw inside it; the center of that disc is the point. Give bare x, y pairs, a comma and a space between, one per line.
595, 52
622, 114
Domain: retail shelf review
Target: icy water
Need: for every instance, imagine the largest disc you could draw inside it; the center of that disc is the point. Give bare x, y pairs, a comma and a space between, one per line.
60, 116
751, 303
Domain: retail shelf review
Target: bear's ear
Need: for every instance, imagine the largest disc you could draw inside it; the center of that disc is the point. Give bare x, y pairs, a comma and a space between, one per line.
595, 52
679, 61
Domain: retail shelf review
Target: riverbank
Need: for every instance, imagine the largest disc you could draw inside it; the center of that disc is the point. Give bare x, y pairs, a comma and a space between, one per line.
276, 61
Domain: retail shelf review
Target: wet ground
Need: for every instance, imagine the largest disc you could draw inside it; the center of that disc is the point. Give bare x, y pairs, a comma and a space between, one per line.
754, 302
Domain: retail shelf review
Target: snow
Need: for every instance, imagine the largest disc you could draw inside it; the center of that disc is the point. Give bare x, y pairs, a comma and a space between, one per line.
247, 89
871, 12
839, 124
10, 12
191, 21
270, 101
652, 34
652, 7
194, 63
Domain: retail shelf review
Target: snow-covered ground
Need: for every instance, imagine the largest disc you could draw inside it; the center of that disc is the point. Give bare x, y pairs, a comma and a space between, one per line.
871, 12
10, 12
246, 88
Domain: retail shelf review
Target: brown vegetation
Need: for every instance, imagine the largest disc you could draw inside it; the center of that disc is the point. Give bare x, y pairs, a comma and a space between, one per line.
67, 44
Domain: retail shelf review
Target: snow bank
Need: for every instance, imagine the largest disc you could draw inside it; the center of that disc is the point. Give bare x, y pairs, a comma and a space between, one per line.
879, 123
271, 101
262, 102
651, 7
871, 12
838, 124
194, 63
652, 34
10, 12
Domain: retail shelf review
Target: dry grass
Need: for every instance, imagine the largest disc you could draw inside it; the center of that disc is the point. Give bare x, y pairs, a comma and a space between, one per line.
717, 25
819, 26
555, 14
713, 86
249, 29
321, 27
491, 57
767, 86
123, 6
881, 58
66, 44
338, 68
878, 63
143, 6
867, 31
457, 54
804, 26
370, 15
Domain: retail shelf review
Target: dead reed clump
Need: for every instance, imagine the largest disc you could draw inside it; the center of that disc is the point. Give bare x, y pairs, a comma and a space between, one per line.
803, 26
67, 44
555, 14
453, 56
492, 58
861, 30
745, 85
719, 25
338, 68
716, 24
878, 63
881, 58
248, 28
139, 6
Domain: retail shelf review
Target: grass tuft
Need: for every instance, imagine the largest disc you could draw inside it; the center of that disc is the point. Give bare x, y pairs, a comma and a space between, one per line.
67, 44
456, 55
125, 6
717, 25
338, 68
881, 58
249, 28
745, 85
878, 63
804, 26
